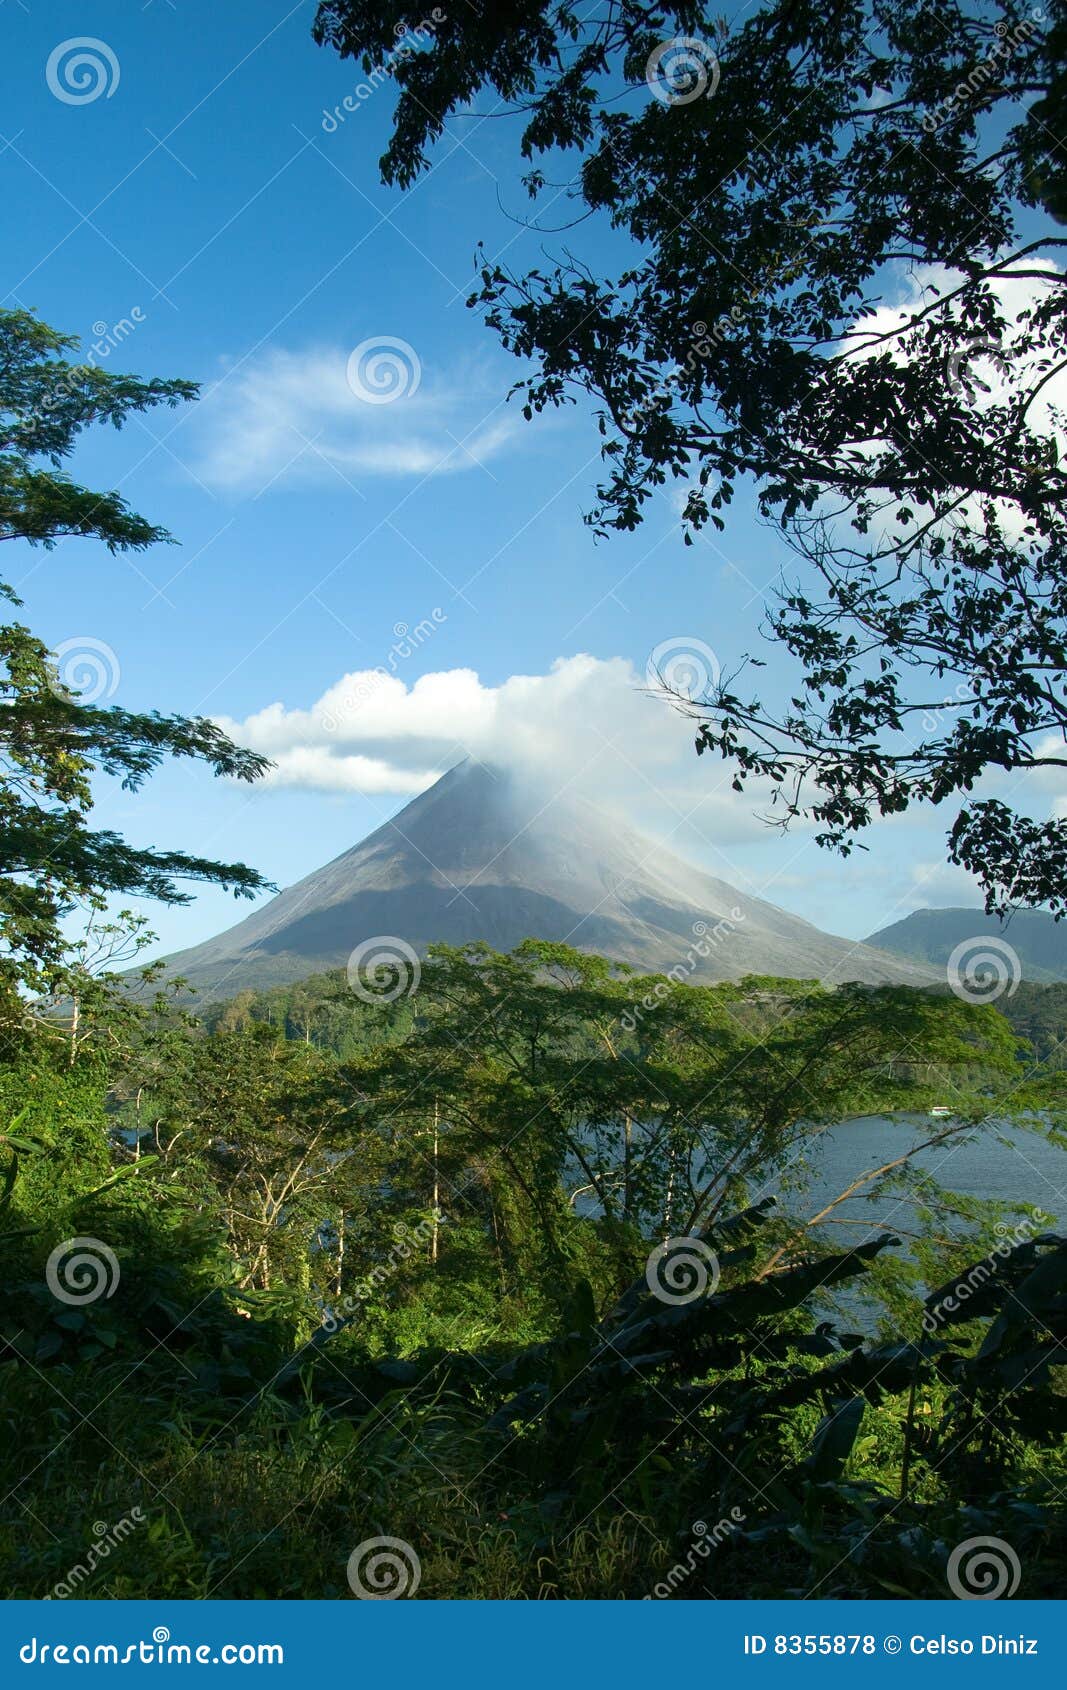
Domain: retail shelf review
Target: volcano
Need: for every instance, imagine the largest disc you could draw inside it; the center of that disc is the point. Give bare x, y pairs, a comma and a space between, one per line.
477, 856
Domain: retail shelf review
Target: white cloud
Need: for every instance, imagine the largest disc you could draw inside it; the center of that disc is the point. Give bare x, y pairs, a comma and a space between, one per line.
316, 769
985, 369
589, 725
1016, 297
937, 883
302, 417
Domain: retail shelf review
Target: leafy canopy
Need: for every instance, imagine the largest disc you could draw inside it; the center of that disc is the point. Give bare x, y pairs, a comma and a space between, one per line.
503, 1365
51, 743
802, 169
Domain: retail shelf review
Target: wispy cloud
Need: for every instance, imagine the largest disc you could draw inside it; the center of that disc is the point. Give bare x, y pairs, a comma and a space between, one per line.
302, 417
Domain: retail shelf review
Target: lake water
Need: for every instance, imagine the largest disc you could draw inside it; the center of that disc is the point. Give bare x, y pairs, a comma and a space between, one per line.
1005, 1163
1008, 1163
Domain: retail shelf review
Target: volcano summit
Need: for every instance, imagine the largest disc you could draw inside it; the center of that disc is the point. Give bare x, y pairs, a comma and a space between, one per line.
475, 857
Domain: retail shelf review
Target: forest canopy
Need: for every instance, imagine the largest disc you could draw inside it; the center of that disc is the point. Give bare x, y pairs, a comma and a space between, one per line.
549, 1226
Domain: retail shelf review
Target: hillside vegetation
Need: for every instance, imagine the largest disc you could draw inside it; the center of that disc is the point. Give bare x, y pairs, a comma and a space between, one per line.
490, 1263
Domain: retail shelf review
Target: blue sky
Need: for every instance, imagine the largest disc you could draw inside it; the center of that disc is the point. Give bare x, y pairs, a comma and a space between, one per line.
201, 215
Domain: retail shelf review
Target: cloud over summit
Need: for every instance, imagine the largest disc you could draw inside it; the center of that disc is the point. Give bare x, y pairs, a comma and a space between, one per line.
588, 725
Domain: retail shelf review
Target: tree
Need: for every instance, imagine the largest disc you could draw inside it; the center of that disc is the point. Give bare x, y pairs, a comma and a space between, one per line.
785, 179
568, 1086
87, 1005
51, 740
257, 1129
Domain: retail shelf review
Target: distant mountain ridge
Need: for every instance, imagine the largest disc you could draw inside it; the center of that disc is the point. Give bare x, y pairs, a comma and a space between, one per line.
930, 936
479, 857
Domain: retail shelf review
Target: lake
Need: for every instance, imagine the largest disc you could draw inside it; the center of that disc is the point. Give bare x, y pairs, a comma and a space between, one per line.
1005, 1162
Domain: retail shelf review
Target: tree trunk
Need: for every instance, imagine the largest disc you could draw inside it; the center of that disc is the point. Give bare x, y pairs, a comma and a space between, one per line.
436, 1187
